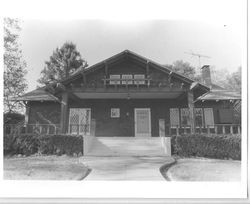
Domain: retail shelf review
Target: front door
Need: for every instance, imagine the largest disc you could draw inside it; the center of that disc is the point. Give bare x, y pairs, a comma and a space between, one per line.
142, 122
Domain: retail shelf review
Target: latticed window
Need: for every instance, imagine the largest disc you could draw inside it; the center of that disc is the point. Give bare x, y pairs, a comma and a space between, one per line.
79, 120
185, 117
174, 117
198, 112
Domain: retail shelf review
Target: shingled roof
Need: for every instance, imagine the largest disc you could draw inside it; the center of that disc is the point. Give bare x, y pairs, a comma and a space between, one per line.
39, 94
220, 95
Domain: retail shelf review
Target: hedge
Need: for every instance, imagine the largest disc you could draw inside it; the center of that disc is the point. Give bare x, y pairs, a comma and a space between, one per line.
43, 144
213, 146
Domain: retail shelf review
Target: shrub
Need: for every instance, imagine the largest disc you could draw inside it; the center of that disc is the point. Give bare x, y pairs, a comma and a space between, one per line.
213, 146
13, 118
44, 144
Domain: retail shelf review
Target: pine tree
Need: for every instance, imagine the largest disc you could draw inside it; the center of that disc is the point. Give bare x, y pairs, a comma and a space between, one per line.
63, 62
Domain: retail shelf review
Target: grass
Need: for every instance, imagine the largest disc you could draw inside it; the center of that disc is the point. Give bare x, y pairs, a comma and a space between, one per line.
44, 168
205, 170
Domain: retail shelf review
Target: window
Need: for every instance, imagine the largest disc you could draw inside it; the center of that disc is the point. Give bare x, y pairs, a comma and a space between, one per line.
127, 76
79, 120
185, 117
139, 76
115, 112
226, 116
198, 113
174, 117
209, 117
116, 77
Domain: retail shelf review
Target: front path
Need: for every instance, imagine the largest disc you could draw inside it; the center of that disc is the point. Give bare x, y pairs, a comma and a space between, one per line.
125, 168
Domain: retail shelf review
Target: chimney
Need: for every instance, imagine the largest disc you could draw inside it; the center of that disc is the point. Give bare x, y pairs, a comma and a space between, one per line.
206, 76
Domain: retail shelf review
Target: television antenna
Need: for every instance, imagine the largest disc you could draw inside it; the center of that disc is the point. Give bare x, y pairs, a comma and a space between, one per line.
197, 55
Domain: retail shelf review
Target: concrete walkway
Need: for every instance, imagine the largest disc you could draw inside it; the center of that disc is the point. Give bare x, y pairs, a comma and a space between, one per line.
125, 168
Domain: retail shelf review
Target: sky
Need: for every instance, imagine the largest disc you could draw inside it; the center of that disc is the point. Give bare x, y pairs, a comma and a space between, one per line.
163, 41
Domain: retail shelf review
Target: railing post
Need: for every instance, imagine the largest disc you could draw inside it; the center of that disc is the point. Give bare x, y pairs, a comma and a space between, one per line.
78, 129
223, 129
215, 129
208, 130
184, 130
238, 129
231, 129
48, 129
177, 130
40, 129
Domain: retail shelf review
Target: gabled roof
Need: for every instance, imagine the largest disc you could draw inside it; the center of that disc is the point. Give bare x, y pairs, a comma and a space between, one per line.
128, 53
39, 94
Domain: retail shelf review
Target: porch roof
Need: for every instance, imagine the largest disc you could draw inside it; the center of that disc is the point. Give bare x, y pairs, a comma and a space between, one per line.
39, 94
220, 95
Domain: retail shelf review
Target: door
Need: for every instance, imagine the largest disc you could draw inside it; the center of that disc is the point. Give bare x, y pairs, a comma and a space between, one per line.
79, 120
209, 117
142, 122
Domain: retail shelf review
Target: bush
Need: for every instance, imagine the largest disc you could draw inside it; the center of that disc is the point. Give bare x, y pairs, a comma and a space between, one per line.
213, 146
44, 144
13, 118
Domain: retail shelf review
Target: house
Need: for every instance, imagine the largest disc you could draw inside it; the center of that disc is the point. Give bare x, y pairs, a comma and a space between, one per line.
128, 95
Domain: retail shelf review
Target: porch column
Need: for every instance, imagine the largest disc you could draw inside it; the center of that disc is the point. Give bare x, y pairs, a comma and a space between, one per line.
190, 97
64, 110
26, 118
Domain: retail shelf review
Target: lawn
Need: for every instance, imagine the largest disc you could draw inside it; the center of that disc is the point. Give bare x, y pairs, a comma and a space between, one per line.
44, 168
205, 170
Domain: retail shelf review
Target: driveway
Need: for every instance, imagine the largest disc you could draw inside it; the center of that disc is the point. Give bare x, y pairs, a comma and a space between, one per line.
125, 168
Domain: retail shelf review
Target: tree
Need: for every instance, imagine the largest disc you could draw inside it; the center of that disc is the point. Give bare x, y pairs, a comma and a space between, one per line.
63, 62
14, 66
234, 80
184, 68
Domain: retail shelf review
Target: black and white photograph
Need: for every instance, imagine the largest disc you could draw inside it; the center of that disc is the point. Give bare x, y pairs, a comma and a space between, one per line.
102, 100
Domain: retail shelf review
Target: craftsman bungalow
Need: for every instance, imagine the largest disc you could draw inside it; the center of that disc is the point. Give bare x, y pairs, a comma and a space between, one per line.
128, 95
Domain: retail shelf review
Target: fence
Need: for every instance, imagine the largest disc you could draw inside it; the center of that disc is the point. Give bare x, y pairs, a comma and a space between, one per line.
32, 128
233, 129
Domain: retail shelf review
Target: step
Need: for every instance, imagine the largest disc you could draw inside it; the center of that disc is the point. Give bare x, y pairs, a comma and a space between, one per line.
126, 146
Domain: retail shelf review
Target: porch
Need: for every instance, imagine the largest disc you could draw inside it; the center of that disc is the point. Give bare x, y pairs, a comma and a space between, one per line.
51, 129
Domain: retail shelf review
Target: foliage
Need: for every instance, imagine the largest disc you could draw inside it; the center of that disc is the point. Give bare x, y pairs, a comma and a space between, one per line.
14, 66
214, 146
13, 118
44, 144
63, 62
184, 68
234, 81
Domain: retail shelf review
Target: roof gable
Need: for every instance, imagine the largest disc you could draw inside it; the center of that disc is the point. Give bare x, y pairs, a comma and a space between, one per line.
129, 54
